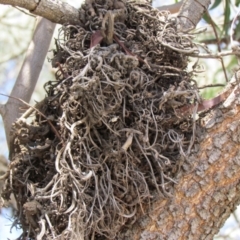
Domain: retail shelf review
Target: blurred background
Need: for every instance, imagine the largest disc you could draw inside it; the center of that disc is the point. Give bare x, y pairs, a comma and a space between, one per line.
17, 27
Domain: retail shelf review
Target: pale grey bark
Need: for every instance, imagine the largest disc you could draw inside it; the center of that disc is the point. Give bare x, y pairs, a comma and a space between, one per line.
29, 73
55, 11
191, 13
172, 8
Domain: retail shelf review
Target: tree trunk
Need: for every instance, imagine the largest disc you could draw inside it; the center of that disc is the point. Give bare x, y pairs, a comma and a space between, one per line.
208, 192
28, 74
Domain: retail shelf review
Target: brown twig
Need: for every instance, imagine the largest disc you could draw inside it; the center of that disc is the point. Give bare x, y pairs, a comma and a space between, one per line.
212, 85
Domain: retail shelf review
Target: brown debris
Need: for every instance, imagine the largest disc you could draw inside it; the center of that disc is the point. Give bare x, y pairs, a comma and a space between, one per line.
114, 106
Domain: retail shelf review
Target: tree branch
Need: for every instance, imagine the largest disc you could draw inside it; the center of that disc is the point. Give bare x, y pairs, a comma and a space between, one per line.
59, 12
172, 8
29, 73
191, 13
55, 11
208, 191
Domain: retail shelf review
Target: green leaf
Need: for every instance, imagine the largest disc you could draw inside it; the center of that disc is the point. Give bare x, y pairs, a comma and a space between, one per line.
237, 2
216, 3
206, 18
226, 17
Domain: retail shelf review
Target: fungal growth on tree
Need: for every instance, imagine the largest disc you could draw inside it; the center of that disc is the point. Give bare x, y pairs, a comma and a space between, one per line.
109, 139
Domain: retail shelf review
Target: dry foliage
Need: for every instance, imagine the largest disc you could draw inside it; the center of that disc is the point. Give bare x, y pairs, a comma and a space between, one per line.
116, 140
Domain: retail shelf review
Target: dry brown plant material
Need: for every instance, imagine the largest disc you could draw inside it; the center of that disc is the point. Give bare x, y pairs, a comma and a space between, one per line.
119, 83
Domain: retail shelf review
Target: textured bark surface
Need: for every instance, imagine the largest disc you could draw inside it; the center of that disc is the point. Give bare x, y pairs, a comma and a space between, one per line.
209, 191
191, 13
55, 11
58, 12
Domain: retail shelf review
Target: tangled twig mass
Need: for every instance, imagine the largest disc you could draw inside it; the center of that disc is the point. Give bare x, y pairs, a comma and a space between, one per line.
119, 82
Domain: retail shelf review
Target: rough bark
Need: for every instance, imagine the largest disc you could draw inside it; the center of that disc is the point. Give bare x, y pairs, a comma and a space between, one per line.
209, 191
55, 11
191, 13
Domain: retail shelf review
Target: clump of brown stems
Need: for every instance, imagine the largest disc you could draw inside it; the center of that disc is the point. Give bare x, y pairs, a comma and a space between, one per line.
116, 140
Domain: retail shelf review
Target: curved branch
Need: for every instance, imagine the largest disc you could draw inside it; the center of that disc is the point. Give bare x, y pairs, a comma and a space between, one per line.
55, 11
